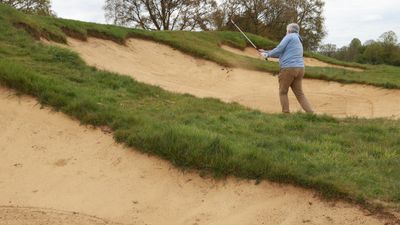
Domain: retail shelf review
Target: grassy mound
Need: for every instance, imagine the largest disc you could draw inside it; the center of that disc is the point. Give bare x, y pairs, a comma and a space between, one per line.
351, 158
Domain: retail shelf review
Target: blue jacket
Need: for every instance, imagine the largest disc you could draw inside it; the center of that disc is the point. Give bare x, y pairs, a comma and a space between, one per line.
289, 52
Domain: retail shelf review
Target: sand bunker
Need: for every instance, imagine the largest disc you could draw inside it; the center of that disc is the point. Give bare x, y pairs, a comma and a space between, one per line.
172, 70
14, 215
251, 52
54, 171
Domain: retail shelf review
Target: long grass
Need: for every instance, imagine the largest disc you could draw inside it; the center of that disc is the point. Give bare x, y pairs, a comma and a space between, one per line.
352, 158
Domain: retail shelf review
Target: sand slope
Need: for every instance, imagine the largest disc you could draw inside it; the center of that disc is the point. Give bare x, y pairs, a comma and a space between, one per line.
172, 70
251, 52
54, 171
16, 215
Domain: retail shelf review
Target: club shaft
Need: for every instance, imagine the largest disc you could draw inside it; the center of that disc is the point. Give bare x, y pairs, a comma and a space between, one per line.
244, 34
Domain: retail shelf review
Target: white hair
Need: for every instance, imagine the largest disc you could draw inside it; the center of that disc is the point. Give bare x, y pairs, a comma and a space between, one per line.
293, 28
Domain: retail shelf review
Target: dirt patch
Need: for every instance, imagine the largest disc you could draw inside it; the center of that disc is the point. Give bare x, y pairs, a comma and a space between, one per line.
251, 52
115, 185
160, 65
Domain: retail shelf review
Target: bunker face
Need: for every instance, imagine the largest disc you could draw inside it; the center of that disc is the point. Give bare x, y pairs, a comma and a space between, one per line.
172, 70
53, 171
14, 215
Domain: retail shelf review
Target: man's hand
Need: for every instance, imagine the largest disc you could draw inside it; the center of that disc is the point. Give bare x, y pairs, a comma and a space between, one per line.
264, 54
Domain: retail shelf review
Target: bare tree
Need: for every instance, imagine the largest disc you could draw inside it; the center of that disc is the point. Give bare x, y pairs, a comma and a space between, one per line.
389, 38
39, 7
270, 18
247, 14
307, 13
328, 49
161, 14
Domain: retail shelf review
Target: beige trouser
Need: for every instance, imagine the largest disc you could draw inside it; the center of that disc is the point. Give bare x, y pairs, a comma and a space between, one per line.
292, 77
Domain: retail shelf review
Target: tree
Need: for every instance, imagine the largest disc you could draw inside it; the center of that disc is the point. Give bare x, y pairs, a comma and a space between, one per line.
388, 41
384, 50
248, 14
328, 49
355, 43
374, 54
270, 18
38, 7
388, 38
369, 42
353, 52
395, 60
161, 14
307, 13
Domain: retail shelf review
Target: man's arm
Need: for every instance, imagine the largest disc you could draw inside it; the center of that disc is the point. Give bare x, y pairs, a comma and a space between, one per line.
277, 52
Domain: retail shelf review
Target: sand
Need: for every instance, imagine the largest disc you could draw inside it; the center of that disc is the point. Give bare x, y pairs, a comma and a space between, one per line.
160, 65
54, 171
251, 52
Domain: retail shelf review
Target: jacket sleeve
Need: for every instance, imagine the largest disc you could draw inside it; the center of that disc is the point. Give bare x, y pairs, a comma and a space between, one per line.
278, 51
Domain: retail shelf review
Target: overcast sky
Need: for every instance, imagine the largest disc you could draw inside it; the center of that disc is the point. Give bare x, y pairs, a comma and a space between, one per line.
345, 19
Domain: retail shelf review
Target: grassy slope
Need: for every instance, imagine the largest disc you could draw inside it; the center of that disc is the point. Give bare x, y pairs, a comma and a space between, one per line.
205, 45
353, 158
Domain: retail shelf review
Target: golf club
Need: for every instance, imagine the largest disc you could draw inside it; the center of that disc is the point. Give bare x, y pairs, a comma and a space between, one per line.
246, 37
244, 34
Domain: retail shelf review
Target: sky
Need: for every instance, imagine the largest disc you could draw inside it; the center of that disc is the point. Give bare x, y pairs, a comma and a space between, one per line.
345, 19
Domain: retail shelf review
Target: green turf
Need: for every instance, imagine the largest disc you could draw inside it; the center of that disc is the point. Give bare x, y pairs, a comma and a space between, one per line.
205, 45
353, 158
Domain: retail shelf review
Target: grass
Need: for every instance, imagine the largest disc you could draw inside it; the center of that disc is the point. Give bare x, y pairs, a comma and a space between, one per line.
205, 45
357, 159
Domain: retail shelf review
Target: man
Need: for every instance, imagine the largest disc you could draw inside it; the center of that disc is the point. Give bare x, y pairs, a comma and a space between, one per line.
290, 54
